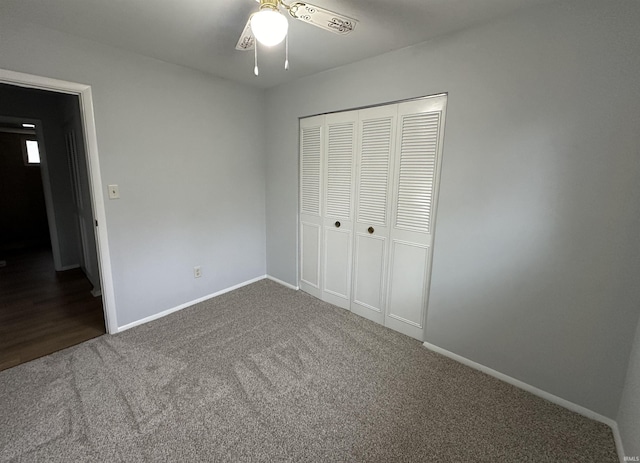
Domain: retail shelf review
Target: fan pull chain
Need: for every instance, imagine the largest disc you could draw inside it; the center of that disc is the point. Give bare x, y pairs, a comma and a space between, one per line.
255, 57
286, 52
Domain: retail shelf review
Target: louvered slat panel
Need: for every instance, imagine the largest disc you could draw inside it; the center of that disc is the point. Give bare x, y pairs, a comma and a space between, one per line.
374, 171
418, 153
310, 200
339, 170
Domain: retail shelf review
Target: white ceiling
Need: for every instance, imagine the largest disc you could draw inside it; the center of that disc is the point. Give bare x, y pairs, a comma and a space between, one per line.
202, 34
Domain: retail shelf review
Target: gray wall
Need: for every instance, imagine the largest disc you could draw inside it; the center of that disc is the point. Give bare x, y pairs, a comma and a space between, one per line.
35, 104
629, 413
186, 150
535, 260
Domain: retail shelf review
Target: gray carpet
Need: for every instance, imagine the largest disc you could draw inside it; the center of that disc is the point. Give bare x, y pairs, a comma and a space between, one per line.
265, 373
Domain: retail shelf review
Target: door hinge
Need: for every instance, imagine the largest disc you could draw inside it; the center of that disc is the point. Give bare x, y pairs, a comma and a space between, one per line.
96, 222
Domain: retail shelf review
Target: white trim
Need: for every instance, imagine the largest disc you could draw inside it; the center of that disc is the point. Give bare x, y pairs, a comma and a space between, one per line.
283, 283
535, 391
44, 83
618, 440
31, 132
88, 120
188, 304
99, 213
48, 198
68, 267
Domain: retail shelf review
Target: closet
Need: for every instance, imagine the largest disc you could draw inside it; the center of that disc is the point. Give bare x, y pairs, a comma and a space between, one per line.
368, 195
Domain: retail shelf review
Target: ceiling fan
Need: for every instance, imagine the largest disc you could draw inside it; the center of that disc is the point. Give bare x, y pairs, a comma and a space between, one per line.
269, 26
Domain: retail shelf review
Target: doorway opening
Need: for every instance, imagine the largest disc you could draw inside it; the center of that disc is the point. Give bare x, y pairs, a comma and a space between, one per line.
55, 280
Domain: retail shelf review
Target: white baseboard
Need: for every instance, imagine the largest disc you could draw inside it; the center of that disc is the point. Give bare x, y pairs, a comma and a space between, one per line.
618, 440
68, 267
535, 391
187, 304
283, 283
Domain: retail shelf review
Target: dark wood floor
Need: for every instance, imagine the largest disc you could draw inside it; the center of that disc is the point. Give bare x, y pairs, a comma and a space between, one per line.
41, 310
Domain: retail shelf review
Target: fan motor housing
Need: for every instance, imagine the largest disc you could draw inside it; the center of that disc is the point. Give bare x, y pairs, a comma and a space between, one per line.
271, 4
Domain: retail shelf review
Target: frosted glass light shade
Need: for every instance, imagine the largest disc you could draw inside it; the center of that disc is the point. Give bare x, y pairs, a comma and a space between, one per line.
269, 27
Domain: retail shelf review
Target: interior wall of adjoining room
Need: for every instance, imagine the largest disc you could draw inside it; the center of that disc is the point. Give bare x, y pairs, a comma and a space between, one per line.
22, 206
186, 151
33, 104
72, 126
536, 256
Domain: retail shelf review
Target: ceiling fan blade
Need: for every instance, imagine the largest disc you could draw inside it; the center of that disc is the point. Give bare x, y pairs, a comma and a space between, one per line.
323, 18
246, 41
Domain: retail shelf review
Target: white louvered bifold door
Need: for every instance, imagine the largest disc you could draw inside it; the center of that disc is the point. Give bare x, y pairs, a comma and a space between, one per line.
368, 195
338, 206
417, 168
376, 130
311, 162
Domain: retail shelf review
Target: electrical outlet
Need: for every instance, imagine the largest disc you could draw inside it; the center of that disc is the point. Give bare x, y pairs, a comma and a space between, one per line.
197, 272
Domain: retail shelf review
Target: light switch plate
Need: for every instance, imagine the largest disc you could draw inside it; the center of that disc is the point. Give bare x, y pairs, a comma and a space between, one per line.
114, 192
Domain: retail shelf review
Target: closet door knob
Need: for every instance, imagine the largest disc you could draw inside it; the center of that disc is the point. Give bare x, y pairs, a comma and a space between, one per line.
337, 224
370, 230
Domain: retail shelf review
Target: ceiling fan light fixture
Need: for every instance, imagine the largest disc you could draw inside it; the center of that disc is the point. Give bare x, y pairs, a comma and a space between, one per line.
269, 27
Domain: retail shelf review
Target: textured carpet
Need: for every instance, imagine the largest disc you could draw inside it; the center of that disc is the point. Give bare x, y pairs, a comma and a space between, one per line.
265, 373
